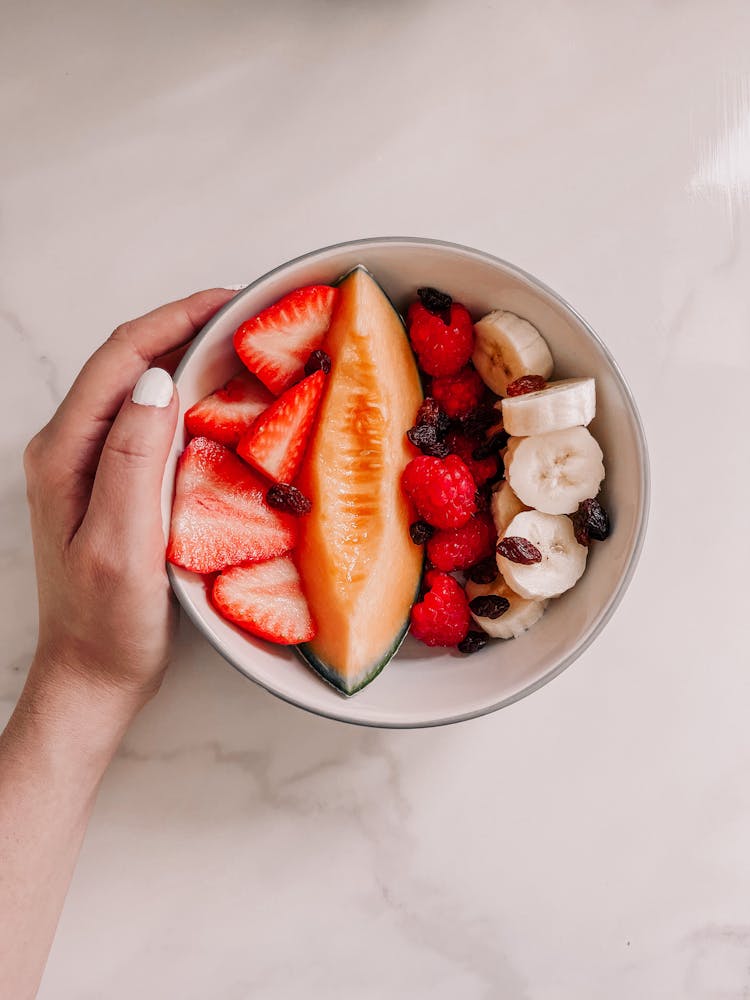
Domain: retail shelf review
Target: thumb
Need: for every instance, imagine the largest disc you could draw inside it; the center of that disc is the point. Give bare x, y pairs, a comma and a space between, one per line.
125, 505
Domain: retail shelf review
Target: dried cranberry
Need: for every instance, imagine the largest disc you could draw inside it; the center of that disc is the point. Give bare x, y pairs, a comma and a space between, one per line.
284, 496
489, 606
435, 302
519, 550
472, 643
421, 532
590, 521
526, 383
318, 361
485, 571
425, 437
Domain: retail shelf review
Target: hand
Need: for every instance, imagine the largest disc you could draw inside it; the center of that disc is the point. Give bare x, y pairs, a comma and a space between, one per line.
94, 477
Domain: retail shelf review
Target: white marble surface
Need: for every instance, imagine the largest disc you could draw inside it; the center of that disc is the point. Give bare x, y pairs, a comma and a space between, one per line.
589, 842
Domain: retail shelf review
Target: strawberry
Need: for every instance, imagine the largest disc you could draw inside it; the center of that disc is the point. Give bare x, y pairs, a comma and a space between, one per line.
266, 599
225, 415
276, 441
276, 343
220, 516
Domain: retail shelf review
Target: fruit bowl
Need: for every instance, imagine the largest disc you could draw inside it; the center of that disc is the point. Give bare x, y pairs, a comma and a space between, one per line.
424, 687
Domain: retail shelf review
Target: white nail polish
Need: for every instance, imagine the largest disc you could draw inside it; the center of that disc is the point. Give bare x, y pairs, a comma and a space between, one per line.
153, 388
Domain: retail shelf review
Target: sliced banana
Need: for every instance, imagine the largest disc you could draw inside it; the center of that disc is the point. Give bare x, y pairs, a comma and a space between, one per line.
504, 506
521, 614
563, 559
570, 403
507, 347
553, 472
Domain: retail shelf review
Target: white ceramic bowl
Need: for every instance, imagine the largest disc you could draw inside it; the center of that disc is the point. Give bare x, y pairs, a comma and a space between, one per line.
421, 687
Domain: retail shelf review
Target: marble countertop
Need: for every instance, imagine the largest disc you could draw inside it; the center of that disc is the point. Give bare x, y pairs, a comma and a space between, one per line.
589, 842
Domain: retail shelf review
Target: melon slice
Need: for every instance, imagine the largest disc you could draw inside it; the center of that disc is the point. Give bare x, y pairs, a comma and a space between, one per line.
359, 567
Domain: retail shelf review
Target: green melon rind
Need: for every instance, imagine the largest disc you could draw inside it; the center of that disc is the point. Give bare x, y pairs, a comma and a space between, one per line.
329, 675
334, 679
305, 653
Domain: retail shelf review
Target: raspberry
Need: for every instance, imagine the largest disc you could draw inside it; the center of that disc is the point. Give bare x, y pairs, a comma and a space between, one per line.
461, 548
442, 490
442, 617
441, 348
482, 469
458, 395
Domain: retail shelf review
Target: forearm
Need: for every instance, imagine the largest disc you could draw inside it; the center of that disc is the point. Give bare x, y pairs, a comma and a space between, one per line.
53, 753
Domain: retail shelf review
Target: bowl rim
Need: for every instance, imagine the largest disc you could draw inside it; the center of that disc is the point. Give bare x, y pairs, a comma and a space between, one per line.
643, 514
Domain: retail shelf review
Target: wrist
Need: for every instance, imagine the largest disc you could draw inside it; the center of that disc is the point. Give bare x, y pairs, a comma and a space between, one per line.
74, 713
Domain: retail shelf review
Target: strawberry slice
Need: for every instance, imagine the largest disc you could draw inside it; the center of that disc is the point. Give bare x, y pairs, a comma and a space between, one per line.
277, 439
225, 415
276, 343
265, 599
220, 516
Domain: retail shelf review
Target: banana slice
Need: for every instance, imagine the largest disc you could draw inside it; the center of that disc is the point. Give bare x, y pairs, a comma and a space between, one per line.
553, 472
563, 559
507, 347
521, 614
504, 506
570, 403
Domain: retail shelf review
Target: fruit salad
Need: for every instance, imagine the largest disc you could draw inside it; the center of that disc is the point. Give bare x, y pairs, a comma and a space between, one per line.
360, 478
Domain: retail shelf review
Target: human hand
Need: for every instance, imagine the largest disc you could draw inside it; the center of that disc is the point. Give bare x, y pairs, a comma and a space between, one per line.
94, 476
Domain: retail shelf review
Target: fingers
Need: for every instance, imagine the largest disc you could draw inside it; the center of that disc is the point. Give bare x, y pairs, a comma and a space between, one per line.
171, 360
124, 512
75, 436
110, 373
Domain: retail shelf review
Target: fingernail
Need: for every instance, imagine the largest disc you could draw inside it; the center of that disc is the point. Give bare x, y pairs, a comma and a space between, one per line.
236, 288
153, 388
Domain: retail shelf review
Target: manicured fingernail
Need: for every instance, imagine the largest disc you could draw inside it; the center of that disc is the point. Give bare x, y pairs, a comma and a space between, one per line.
236, 288
153, 388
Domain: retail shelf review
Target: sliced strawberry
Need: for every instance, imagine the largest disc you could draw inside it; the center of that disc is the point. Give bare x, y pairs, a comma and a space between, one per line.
277, 439
220, 516
266, 599
276, 343
225, 415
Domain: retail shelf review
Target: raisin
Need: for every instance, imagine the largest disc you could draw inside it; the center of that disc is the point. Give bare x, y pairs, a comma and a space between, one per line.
489, 606
421, 532
590, 521
435, 302
519, 550
425, 437
429, 414
472, 643
526, 383
491, 446
478, 422
485, 571
318, 361
284, 496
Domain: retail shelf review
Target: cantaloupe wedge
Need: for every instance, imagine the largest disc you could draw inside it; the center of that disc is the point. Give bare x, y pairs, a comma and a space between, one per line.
359, 567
